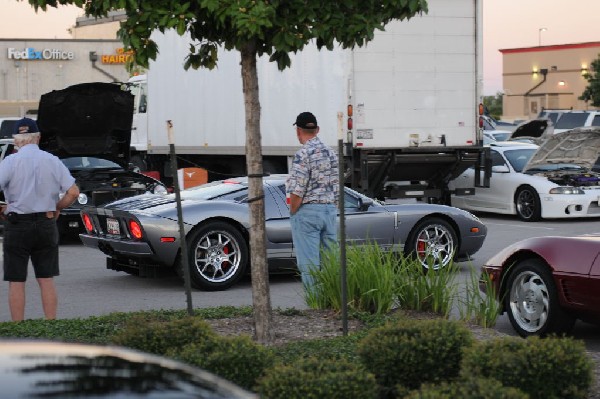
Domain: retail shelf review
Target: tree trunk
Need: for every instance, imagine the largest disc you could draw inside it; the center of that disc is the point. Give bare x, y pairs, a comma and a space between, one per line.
261, 297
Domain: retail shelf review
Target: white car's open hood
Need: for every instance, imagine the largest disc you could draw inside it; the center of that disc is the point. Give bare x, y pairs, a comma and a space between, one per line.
579, 146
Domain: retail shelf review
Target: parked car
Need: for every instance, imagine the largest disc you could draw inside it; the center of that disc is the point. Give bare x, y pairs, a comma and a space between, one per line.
574, 119
546, 283
553, 115
44, 369
554, 180
88, 126
140, 234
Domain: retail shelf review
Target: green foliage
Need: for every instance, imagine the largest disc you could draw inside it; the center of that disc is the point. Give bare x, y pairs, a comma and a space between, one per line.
370, 280
275, 27
592, 91
237, 359
477, 307
316, 378
411, 352
543, 368
494, 105
160, 337
429, 291
327, 348
467, 388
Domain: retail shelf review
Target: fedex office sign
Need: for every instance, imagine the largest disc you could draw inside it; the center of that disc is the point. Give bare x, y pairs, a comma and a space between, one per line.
45, 54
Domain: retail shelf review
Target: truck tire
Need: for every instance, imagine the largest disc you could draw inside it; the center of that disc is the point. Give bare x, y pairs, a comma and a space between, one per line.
217, 256
433, 242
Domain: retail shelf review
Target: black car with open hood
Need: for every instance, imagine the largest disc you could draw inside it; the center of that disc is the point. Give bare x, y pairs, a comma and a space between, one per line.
88, 126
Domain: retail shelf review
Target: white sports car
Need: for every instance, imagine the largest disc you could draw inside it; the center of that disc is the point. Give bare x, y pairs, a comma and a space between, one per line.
554, 180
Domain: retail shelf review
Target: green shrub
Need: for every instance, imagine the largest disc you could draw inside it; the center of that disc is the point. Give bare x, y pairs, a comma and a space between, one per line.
543, 368
313, 378
411, 352
468, 388
237, 359
343, 347
160, 337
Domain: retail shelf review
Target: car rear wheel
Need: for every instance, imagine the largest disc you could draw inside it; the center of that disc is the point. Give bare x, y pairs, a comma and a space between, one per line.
433, 242
532, 301
527, 201
218, 256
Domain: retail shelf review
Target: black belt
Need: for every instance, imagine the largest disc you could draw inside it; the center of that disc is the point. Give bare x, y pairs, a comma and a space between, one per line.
320, 203
27, 216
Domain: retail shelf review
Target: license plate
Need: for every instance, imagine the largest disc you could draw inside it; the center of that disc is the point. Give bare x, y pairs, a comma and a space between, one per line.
112, 225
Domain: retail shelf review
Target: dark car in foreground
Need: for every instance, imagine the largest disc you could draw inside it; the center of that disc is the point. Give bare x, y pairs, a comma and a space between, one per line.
88, 126
140, 235
546, 283
44, 369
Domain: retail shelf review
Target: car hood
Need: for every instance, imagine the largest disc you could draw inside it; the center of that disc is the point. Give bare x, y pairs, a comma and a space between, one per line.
579, 146
535, 129
89, 119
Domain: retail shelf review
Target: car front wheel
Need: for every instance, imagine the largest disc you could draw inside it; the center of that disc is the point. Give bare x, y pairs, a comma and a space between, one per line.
532, 301
217, 255
433, 242
527, 202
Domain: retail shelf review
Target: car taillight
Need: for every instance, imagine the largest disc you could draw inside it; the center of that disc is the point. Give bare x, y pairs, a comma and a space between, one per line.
135, 229
87, 222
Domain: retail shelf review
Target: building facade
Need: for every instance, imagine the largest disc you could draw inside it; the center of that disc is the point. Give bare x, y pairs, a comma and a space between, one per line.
32, 67
545, 77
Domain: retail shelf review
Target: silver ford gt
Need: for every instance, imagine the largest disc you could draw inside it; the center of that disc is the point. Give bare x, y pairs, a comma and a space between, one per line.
140, 234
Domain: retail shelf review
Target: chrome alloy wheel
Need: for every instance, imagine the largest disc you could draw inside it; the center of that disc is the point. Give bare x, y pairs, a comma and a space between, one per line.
529, 301
217, 256
435, 243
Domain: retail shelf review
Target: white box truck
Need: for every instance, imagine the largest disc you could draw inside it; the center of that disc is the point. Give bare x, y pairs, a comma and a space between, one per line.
410, 100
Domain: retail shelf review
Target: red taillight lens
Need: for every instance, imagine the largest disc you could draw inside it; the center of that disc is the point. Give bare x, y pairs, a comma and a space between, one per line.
135, 229
480, 122
350, 124
87, 222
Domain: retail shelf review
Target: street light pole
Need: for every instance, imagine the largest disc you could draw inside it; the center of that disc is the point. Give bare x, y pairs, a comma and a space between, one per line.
540, 30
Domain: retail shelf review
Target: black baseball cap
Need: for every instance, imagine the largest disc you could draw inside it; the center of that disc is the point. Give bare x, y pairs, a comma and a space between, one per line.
306, 120
26, 125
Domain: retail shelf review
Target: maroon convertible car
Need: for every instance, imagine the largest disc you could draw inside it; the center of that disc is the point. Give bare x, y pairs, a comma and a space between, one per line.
546, 283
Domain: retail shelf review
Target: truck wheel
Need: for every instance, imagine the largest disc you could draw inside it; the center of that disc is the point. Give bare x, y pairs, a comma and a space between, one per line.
527, 203
532, 301
433, 242
217, 256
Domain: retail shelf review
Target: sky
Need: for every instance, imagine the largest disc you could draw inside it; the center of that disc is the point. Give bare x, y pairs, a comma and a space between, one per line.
506, 24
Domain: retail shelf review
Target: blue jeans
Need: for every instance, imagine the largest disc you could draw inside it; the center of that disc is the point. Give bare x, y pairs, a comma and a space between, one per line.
313, 228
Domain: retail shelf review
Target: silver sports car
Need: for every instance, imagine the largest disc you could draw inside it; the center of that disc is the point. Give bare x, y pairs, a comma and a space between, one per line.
140, 234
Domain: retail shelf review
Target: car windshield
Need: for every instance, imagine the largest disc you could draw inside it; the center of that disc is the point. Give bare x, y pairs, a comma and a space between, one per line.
571, 120
214, 190
89, 163
519, 158
501, 136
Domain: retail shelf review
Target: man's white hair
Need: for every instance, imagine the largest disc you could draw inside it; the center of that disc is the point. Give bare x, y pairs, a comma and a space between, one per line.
22, 139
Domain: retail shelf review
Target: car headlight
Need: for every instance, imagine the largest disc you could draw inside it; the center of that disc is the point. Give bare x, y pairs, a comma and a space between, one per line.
566, 190
82, 199
160, 189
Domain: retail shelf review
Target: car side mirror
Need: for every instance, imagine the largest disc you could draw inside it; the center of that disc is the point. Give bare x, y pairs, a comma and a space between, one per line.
500, 169
364, 204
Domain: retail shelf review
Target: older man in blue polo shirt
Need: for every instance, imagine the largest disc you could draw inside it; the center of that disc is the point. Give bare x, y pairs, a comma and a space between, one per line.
32, 181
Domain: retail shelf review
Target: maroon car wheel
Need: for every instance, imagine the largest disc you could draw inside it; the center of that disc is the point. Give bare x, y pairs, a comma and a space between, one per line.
532, 301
